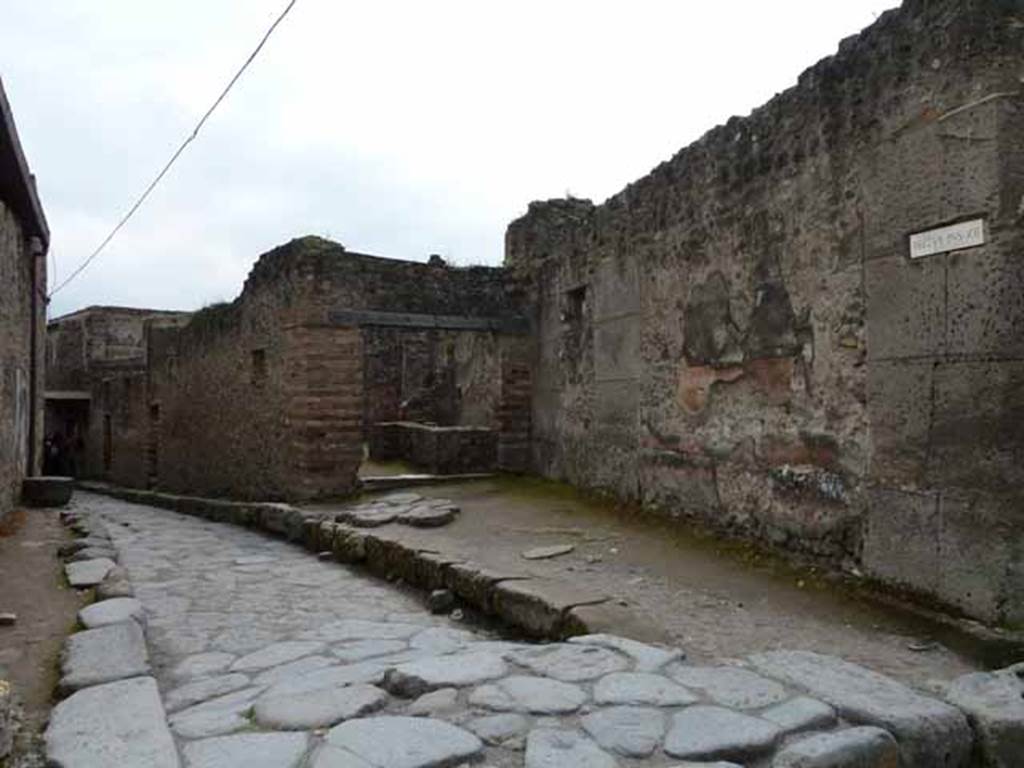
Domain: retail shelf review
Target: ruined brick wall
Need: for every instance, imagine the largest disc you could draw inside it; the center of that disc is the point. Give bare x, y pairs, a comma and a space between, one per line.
100, 352
15, 360
741, 336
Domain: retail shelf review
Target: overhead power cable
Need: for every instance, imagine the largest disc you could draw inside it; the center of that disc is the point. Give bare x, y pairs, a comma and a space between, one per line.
195, 132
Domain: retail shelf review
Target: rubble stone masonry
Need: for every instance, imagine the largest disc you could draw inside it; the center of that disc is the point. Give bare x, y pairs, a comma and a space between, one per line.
742, 337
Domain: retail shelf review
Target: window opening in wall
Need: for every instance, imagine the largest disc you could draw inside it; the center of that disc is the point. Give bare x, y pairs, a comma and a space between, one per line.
573, 311
259, 366
108, 443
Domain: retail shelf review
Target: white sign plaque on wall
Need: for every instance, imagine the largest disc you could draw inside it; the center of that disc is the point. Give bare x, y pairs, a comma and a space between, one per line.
966, 234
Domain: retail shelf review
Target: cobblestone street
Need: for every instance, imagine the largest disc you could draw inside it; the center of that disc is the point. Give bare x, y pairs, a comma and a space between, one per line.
266, 655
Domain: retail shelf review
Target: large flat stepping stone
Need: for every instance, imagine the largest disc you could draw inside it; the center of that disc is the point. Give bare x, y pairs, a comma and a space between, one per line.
117, 724
641, 688
995, 703
318, 709
646, 658
396, 742
216, 717
275, 654
112, 612
103, 655
929, 732
731, 686
571, 663
544, 553
553, 748
204, 690
252, 750
455, 671
865, 747
715, 733
626, 731
801, 714
536, 695
88, 573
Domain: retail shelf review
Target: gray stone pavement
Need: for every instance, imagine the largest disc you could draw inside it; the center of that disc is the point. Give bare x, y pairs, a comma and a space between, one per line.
268, 656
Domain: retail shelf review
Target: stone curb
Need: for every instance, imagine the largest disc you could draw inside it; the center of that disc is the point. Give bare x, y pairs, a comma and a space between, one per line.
112, 710
541, 608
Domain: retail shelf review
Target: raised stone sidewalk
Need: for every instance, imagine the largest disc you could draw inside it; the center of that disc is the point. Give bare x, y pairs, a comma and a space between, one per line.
266, 656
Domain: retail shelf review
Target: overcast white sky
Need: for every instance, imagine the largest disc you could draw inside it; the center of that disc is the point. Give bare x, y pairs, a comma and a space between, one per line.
397, 127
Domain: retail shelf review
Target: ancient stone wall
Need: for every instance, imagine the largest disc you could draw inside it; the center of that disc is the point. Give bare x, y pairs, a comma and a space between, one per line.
15, 359
742, 336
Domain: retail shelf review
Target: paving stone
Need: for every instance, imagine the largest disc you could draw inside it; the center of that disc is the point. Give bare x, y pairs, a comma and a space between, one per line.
555, 748
252, 750
396, 742
293, 669
865, 747
434, 703
496, 729
571, 663
929, 732
201, 665
103, 655
117, 724
714, 733
442, 640
994, 701
646, 658
537, 695
111, 612
77, 545
277, 653
641, 688
88, 573
351, 674
801, 714
216, 717
202, 690
317, 709
626, 731
367, 649
428, 516
731, 686
417, 677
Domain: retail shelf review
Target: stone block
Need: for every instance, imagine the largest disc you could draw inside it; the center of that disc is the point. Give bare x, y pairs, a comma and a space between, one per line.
102, 655
929, 732
901, 538
538, 606
47, 491
979, 552
906, 307
88, 573
120, 723
864, 747
899, 412
994, 702
985, 313
617, 349
977, 437
475, 583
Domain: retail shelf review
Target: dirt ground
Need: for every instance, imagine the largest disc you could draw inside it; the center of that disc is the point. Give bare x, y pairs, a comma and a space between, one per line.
31, 586
714, 599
